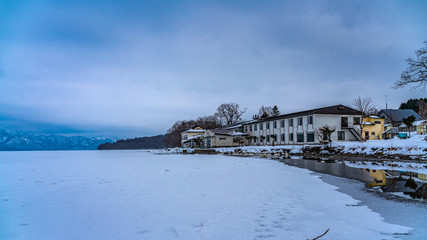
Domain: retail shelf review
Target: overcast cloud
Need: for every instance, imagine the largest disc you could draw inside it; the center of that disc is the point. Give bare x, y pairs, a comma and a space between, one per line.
133, 68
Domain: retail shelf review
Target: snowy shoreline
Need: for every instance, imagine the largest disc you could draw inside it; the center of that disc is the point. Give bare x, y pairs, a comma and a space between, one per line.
412, 150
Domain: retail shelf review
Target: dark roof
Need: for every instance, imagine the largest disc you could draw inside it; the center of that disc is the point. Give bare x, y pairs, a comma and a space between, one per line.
334, 110
397, 115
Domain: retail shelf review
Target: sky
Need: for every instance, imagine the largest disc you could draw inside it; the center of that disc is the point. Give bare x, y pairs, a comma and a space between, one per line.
133, 68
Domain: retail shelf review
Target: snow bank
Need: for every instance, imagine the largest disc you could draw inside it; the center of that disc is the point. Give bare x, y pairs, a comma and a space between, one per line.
414, 146
140, 195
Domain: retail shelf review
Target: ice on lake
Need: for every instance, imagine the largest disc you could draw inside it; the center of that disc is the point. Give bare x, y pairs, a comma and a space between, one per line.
140, 195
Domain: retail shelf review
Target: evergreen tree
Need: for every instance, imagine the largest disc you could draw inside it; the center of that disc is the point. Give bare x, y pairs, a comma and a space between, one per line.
276, 111
408, 122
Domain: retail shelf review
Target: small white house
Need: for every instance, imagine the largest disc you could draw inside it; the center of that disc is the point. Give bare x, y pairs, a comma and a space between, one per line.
192, 137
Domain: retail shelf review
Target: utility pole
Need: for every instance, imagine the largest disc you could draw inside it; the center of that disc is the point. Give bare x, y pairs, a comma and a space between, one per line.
386, 105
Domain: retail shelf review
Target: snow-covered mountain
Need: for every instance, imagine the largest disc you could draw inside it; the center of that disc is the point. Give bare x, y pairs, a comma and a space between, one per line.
13, 140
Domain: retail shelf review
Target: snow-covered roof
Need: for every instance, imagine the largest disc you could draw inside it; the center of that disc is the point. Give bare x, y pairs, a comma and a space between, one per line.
193, 138
233, 126
391, 130
227, 132
367, 123
416, 123
373, 116
419, 123
195, 130
238, 134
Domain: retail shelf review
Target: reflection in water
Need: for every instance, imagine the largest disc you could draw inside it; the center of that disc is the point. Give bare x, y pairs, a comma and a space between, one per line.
390, 181
337, 169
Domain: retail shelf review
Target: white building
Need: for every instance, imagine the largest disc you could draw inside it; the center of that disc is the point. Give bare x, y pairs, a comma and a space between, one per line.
192, 137
303, 127
223, 138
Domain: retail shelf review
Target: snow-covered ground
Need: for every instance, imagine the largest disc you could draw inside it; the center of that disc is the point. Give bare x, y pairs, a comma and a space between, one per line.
140, 195
414, 146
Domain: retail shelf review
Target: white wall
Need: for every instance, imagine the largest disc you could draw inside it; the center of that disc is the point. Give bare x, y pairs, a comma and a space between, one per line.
319, 120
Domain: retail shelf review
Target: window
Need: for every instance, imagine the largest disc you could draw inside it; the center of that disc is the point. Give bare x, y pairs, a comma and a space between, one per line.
246, 128
250, 127
291, 137
310, 119
300, 137
344, 122
310, 136
260, 126
267, 125
356, 120
282, 123
373, 133
268, 138
282, 137
377, 122
274, 124
291, 122
366, 134
255, 127
222, 138
300, 121
341, 135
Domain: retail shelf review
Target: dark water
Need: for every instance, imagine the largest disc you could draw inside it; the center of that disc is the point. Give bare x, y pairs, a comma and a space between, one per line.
338, 169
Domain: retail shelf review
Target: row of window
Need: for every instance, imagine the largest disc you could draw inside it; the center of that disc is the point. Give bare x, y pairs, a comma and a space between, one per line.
299, 139
254, 127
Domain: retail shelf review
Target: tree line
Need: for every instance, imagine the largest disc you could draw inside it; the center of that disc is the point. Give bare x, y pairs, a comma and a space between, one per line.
226, 114
154, 142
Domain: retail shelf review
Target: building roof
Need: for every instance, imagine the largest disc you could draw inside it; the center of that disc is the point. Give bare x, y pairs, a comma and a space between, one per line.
195, 130
227, 132
333, 110
192, 138
397, 115
392, 130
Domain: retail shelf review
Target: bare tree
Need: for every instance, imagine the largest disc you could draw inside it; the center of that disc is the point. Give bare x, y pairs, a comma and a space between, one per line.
265, 111
325, 133
366, 106
416, 73
208, 122
173, 135
422, 108
229, 113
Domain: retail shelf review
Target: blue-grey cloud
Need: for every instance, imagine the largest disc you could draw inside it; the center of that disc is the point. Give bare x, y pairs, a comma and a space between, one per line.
140, 66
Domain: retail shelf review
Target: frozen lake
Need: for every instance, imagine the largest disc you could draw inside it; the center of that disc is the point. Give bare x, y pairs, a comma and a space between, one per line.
140, 195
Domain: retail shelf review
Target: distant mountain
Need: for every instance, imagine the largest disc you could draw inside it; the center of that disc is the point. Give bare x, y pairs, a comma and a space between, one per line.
154, 142
19, 141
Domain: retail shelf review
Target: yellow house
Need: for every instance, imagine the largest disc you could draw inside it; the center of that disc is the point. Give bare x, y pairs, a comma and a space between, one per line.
373, 127
421, 126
